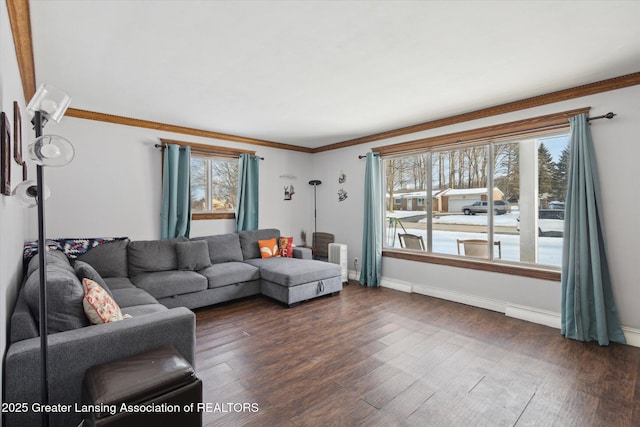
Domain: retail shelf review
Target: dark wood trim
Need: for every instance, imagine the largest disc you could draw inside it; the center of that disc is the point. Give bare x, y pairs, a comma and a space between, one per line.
20, 19
129, 121
516, 270
522, 104
211, 149
211, 215
519, 127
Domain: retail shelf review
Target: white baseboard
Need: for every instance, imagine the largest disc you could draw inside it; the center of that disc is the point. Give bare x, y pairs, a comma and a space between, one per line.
529, 314
632, 336
398, 285
534, 315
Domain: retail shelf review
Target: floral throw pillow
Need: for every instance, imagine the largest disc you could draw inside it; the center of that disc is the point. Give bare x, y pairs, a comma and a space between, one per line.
286, 247
98, 305
269, 248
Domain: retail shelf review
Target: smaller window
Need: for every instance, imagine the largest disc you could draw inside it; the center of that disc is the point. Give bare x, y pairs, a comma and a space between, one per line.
214, 184
214, 179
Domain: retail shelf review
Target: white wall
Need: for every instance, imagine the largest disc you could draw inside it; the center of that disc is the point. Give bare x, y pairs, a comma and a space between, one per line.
12, 215
113, 186
618, 153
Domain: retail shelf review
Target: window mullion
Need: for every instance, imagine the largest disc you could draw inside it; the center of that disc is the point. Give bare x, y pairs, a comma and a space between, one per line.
429, 200
491, 210
209, 183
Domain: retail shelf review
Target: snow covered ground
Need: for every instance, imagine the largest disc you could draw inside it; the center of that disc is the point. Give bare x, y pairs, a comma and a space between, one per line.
444, 242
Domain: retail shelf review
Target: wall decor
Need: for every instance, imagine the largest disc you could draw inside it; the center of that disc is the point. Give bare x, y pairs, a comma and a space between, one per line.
5, 154
289, 191
17, 134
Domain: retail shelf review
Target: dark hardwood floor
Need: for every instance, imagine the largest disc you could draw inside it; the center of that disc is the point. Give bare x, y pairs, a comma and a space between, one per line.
378, 357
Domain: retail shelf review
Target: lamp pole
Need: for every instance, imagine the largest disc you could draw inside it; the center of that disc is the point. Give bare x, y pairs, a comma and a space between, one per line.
315, 183
42, 258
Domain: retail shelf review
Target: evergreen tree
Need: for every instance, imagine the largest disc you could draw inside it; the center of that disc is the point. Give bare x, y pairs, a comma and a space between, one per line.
560, 175
546, 169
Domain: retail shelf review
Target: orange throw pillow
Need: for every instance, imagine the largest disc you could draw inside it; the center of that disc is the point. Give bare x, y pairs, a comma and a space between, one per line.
269, 248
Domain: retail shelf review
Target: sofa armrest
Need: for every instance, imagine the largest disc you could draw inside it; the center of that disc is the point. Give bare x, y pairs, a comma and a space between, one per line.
302, 253
71, 353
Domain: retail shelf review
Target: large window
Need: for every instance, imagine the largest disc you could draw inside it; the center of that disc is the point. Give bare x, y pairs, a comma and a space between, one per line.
214, 184
501, 201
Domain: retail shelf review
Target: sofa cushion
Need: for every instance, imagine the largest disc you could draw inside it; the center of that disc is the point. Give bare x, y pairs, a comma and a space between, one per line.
148, 256
98, 304
109, 259
64, 298
132, 296
53, 258
249, 241
163, 284
118, 283
193, 255
22, 325
140, 310
223, 247
291, 272
230, 273
84, 270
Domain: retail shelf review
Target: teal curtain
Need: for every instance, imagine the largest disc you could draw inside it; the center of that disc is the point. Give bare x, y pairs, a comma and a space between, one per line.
371, 273
588, 308
175, 217
247, 201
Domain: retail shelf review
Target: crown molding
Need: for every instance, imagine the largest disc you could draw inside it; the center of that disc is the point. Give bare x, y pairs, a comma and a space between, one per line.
522, 104
129, 121
527, 126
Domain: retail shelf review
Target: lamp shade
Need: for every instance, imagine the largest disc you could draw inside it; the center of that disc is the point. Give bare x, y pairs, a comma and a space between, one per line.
50, 101
27, 192
51, 150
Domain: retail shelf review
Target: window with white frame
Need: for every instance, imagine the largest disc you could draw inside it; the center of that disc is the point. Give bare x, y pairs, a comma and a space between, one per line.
214, 184
501, 201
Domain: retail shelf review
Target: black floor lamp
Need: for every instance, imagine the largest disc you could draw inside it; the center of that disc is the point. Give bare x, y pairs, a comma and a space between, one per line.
315, 183
49, 103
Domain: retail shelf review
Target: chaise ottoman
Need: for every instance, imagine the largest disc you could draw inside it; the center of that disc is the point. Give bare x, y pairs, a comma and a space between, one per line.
155, 388
291, 280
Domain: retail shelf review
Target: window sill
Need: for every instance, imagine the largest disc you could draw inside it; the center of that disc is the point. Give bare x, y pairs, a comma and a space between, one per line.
516, 270
212, 215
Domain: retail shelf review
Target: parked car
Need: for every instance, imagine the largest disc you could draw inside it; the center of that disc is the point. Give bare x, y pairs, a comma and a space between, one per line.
556, 205
499, 207
550, 222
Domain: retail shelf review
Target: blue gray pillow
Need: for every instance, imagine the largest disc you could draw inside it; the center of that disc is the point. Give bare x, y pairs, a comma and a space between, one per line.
85, 270
193, 255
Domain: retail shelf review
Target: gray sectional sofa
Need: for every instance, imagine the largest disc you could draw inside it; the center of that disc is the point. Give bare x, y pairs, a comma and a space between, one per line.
156, 283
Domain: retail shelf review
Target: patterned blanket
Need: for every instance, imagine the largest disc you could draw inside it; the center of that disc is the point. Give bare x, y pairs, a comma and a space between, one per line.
71, 247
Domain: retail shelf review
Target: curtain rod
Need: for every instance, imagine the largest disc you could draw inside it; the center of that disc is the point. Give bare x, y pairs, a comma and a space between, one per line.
609, 115
195, 150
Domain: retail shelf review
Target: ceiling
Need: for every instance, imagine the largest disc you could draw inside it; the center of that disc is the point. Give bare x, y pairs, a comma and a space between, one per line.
312, 73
